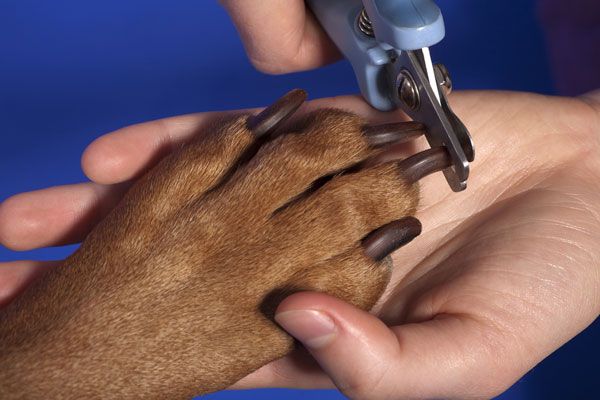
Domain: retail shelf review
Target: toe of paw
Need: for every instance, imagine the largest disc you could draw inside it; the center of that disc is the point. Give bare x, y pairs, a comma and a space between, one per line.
376, 195
334, 129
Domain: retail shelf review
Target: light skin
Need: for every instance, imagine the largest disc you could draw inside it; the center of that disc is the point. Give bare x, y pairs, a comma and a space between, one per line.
281, 36
503, 274
508, 232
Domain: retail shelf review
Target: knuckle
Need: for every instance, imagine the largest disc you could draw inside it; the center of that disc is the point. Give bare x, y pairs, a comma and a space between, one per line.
357, 389
271, 66
276, 60
371, 385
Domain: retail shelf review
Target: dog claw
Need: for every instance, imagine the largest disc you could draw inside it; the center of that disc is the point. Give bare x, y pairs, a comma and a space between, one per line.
267, 121
425, 163
384, 241
398, 132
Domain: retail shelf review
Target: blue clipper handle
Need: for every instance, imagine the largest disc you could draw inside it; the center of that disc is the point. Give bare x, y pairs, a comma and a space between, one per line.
397, 24
406, 24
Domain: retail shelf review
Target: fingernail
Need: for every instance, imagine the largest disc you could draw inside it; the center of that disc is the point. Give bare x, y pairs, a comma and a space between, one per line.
313, 328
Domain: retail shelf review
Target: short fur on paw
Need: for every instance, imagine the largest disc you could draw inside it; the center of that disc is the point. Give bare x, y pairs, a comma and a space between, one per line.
172, 294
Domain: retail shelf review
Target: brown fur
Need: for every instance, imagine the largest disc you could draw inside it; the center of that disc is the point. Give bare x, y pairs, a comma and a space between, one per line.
171, 295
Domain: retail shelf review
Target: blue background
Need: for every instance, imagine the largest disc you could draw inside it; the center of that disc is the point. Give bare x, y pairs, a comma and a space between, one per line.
73, 70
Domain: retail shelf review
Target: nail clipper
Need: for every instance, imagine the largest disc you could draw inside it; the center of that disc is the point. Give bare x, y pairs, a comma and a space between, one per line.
387, 42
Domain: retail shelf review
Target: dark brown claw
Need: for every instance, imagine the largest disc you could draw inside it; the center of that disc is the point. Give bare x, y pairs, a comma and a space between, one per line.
384, 241
425, 163
394, 152
269, 119
397, 132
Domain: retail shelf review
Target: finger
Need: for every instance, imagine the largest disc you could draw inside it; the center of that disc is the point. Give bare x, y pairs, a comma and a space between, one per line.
55, 216
17, 275
449, 356
128, 152
281, 36
320, 323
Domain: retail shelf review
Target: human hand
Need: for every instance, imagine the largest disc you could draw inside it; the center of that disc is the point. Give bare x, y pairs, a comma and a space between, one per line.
281, 36
503, 274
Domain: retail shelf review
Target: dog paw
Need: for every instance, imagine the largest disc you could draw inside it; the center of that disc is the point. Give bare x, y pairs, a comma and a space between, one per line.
172, 294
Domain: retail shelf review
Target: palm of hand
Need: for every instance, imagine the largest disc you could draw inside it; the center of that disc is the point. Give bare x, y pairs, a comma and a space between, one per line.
505, 262
497, 267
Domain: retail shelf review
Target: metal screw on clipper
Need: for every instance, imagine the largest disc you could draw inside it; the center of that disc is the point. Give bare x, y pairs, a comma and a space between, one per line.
407, 90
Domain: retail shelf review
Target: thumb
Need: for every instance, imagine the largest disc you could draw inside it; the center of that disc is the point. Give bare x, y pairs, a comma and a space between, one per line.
445, 357
352, 346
